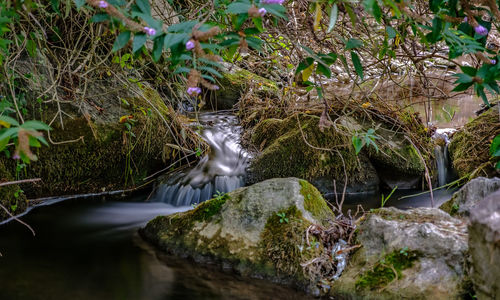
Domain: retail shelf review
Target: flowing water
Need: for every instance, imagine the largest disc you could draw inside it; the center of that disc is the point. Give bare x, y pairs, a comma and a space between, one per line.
221, 171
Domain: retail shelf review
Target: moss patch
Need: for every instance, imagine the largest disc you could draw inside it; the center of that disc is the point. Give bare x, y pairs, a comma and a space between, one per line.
469, 147
314, 202
11, 196
283, 242
387, 269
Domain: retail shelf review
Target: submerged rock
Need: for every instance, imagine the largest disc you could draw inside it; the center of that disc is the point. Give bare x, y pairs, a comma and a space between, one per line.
414, 254
258, 230
484, 244
469, 195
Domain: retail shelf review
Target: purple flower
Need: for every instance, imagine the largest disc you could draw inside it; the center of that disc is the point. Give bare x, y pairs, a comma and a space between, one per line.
16, 156
149, 31
193, 91
272, 1
103, 4
216, 87
262, 11
493, 61
190, 45
466, 20
481, 30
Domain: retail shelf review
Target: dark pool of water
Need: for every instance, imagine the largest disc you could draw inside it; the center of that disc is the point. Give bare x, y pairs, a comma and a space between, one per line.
92, 251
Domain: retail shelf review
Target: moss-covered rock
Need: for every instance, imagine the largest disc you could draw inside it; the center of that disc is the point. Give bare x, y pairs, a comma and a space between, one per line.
236, 80
257, 230
289, 150
469, 147
415, 254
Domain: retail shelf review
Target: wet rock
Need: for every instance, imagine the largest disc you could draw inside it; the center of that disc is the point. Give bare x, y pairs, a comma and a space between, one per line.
470, 195
414, 254
484, 244
256, 230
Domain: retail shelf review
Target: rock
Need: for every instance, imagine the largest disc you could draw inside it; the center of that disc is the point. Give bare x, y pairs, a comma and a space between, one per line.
414, 254
469, 146
469, 195
257, 230
484, 245
236, 80
319, 157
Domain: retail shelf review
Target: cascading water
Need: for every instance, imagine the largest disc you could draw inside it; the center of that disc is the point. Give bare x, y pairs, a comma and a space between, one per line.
221, 171
444, 168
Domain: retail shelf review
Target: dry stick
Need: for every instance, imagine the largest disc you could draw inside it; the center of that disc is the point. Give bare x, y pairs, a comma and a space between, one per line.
15, 218
20, 181
427, 175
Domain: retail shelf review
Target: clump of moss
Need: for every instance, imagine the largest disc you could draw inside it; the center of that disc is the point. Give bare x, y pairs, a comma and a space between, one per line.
387, 269
469, 147
11, 196
283, 241
314, 202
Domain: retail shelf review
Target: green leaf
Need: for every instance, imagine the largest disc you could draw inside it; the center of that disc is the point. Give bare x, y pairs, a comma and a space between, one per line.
100, 17
9, 120
144, 6
357, 143
357, 64
304, 64
182, 70
174, 39
469, 70
184, 27
139, 41
321, 69
10, 132
238, 8
158, 47
211, 70
480, 92
353, 44
462, 87
334, 12
3, 143
55, 6
79, 3
391, 32
258, 24
121, 40
254, 42
494, 148
33, 142
463, 78
35, 125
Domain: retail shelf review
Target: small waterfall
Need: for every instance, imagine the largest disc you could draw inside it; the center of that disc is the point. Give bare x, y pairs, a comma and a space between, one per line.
221, 171
443, 163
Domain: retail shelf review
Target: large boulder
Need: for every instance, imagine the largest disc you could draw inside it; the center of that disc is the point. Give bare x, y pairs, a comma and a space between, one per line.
469, 195
295, 146
469, 147
258, 231
414, 254
484, 244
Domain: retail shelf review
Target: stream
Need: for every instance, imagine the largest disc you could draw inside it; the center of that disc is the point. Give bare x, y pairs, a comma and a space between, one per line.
90, 249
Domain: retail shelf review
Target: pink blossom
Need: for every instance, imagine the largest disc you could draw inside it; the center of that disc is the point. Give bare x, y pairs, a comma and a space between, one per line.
16, 156
190, 45
103, 4
149, 31
481, 30
193, 91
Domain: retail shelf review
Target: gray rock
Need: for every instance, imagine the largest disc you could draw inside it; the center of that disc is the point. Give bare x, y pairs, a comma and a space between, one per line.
243, 230
470, 194
484, 244
425, 247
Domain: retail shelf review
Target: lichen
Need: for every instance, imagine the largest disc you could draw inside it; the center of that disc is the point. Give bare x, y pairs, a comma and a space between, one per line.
386, 270
314, 202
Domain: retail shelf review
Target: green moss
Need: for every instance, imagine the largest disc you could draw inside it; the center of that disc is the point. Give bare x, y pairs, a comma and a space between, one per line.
289, 155
11, 196
450, 207
314, 202
387, 269
205, 210
469, 147
283, 243
243, 77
